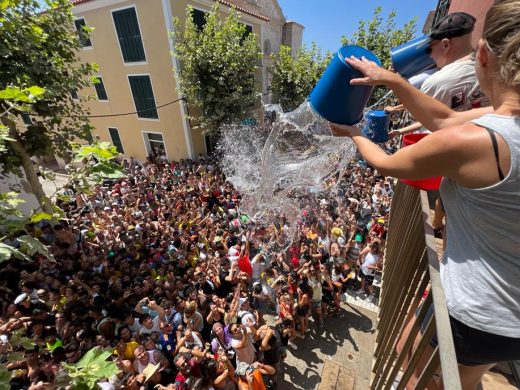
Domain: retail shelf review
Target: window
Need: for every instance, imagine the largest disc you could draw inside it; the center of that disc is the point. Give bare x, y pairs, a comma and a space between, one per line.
143, 96
199, 18
249, 30
442, 10
74, 95
116, 140
26, 119
83, 36
129, 35
100, 89
154, 143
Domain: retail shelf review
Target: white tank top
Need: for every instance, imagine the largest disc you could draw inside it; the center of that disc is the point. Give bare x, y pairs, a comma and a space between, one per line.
480, 270
151, 358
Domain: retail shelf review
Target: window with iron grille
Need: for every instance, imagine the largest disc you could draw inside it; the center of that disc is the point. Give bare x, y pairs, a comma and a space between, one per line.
443, 7
129, 35
144, 100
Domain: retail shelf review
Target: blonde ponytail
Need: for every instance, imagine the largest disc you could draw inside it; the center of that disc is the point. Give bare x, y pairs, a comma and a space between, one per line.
502, 33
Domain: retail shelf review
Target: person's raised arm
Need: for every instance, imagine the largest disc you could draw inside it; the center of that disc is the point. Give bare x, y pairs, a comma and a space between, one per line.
433, 114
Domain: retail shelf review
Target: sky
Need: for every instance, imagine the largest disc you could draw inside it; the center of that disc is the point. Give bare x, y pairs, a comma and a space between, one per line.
326, 21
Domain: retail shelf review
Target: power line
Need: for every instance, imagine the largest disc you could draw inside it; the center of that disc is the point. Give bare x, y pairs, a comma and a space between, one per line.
125, 113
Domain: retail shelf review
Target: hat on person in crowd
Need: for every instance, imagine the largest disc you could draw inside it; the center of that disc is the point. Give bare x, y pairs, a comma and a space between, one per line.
241, 301
150, 370
358, 238
337, 232
453, 25
23, 297
381, 221
341, 241
106, 208
41, 292
312, 235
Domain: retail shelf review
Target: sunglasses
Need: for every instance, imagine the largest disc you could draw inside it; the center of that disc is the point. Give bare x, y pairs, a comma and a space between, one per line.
429, 48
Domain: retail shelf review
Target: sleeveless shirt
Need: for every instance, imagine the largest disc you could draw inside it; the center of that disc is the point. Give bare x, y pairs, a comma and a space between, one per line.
480, 270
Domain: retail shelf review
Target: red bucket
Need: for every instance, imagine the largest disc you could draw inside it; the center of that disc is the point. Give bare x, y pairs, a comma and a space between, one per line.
430, 183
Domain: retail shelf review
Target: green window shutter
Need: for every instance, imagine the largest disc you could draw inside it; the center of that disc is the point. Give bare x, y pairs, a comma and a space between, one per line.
199, 18
26, 119
142, 92
129, 36
116, 140
100, 89
82, 34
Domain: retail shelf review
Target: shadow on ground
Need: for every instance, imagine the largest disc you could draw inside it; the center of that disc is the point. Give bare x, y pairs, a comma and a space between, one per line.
302, 368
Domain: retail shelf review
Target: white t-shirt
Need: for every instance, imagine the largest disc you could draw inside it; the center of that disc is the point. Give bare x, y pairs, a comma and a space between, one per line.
370, 259
155, 328
246, 354
456, 86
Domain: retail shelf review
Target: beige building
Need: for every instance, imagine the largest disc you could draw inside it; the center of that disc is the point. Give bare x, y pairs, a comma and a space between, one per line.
130, 43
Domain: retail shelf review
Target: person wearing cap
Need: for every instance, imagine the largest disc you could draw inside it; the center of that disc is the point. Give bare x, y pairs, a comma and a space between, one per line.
455, 83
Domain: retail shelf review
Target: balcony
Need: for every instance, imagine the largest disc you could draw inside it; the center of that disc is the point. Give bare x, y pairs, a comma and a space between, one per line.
410, 284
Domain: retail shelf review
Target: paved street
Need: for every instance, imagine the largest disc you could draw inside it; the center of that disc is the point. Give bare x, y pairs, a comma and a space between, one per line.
338, 357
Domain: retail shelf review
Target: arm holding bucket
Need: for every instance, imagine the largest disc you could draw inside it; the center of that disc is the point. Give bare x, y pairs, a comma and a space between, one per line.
430, 112
443, 153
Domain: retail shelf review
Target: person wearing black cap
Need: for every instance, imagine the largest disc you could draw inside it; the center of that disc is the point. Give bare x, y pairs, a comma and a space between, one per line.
455, 83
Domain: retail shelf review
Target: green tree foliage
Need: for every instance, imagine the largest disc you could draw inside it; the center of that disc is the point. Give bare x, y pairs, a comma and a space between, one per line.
91, 368
293, 78
38, 48
217, 67
379, 35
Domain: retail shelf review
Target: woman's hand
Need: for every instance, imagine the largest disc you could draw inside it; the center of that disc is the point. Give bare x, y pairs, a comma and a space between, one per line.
374, 74
344, 130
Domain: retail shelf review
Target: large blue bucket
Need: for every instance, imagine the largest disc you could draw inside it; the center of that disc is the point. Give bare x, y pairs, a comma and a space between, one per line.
411, 57
333, 97
376, 127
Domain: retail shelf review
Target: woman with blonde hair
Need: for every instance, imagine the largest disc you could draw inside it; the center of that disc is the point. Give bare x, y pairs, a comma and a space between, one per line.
478, 154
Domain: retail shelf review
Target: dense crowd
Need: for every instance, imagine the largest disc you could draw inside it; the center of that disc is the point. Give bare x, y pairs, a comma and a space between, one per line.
164, 270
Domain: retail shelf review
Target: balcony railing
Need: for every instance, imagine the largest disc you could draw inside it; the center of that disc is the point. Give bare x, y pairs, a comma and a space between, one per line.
410, 284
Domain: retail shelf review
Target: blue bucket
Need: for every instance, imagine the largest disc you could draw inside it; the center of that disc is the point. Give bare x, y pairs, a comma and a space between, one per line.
333, 98
376, 127
411, 57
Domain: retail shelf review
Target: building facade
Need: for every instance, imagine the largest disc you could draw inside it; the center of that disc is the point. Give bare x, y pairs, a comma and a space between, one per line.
130, 42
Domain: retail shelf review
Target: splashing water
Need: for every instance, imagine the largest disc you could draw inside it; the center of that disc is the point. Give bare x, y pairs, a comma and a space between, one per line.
276, 165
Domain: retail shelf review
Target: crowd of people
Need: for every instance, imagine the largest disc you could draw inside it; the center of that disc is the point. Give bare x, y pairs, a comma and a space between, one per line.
163, 269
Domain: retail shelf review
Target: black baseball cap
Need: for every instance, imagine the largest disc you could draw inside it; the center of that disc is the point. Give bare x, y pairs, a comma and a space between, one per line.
453, 25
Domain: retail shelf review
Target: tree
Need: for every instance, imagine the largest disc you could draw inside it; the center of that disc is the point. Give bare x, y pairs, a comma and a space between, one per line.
217, 66
379, 36
293, 78
38, 48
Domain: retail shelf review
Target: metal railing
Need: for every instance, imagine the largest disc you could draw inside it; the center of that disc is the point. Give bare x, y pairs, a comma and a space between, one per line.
410, 285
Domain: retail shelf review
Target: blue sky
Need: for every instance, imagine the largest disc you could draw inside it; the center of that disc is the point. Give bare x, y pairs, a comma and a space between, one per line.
326, 21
